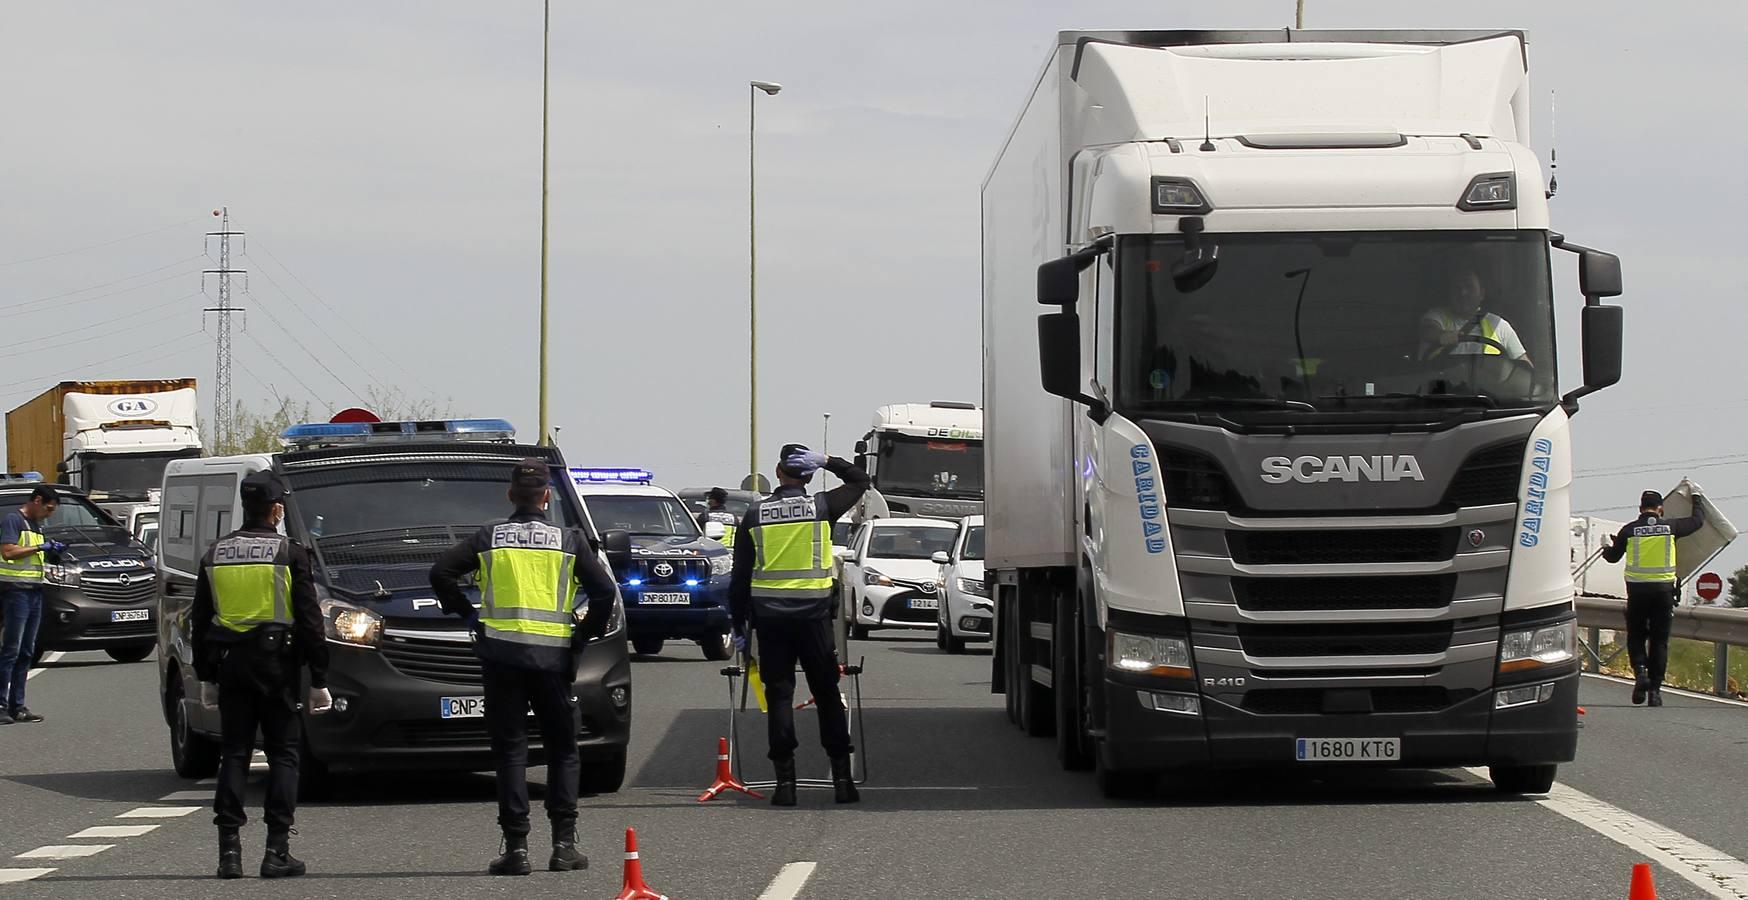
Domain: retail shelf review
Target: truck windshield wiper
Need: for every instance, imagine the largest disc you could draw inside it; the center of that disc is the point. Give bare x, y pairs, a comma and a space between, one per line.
1254, 402
1443, 399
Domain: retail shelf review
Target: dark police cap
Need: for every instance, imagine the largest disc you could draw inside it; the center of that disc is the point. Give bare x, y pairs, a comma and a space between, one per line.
531, 473
783, 457
1650, 500
262, 487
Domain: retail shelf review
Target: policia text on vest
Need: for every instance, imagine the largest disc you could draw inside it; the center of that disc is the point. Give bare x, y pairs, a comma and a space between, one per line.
256, 622
1648, 546
529, 641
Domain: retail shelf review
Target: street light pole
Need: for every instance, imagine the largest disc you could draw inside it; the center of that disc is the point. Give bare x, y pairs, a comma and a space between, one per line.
825, 440
545, 56
770, 88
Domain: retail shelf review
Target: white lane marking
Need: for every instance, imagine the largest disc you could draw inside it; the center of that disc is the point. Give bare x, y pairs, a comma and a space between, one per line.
158, 812
1708, 868
49, 657
207, 781
114, 831
185, 795
64, 851
789, 881
1676, 691
9, 876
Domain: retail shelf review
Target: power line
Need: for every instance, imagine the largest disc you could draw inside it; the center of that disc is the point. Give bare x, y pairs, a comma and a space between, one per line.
368, 376
86, 336
1602, 509
287, 369
368, 340
112, 243
38, 377
1677, 467
181, 262
309, 353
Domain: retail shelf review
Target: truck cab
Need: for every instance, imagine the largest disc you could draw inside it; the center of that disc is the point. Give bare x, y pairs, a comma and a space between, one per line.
376, 504
925, 459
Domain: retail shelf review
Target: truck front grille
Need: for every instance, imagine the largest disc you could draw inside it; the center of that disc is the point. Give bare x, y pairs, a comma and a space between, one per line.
1342, 546
1489, 476
1362, 592
1310, 701
1345, 639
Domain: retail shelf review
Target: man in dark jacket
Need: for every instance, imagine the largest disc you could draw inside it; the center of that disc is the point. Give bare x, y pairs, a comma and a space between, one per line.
1648, 545
782, 584
526, 633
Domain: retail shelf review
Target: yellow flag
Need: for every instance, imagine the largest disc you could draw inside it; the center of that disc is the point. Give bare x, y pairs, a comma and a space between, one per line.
758, 684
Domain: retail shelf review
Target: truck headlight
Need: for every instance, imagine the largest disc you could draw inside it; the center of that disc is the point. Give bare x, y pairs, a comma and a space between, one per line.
973, 586
721, 564
348, 624
66, 576
1149, 655
873, 577
1534, 648
615, 619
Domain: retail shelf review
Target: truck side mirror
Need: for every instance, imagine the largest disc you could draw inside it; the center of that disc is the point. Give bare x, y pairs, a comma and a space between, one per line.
1059, 281
861, 448
1059, 361
1599, 275
617, 544
1604, 329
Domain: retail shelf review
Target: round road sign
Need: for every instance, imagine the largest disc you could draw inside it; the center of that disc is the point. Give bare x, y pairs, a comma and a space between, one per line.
1709, 586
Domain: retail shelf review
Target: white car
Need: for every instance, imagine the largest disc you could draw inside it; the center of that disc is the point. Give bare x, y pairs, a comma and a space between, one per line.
966, 611
890, 578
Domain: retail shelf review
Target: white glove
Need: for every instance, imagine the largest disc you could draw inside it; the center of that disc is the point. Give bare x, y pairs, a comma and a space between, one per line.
320, 701
806, 462
209, 694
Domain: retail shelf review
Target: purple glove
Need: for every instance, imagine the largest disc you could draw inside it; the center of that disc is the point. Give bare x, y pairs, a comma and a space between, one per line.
806, 462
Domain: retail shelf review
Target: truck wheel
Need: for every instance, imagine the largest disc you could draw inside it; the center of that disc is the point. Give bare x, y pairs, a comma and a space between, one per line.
718, 648
131, 654
955, 646
1537, 779
1072, 748
940, 636
192, 755
647, 646
1037, 703
1121, 785
602, 776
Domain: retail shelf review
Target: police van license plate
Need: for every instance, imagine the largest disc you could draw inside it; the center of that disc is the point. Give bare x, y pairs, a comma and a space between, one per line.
1349, 749
665, 599
131, 615
924, 603
462, 707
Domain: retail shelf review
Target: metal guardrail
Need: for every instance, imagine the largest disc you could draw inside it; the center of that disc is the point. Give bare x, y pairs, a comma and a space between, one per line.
1719, 626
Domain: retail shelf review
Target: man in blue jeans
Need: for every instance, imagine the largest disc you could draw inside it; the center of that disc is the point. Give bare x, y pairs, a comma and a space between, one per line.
21, 569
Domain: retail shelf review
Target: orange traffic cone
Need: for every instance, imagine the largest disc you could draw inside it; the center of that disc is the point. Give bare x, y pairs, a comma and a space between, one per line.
1642, 888
725, 780
635, 888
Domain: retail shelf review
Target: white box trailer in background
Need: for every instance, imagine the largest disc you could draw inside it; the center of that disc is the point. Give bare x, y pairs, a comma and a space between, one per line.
1273, 485
1595, 576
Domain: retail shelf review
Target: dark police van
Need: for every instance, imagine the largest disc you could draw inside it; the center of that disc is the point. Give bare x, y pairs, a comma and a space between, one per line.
675, 582
376, 503
100, 594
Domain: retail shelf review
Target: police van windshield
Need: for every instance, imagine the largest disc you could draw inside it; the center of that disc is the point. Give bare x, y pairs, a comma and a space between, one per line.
648, 516
374, 506
1336, 322
934, 466
73, 513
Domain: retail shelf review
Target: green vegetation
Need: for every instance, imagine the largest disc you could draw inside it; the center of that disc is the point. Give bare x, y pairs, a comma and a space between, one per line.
1691, 663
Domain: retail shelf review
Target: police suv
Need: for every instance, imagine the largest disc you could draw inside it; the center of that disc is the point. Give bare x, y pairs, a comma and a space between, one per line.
376, 503
98, 596
675, 582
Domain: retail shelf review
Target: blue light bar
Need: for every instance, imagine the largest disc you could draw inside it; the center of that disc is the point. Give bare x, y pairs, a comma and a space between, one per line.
21, 476
321, 434
609, 475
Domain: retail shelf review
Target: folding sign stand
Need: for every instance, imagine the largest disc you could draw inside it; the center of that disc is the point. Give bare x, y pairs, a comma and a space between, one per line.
858, 759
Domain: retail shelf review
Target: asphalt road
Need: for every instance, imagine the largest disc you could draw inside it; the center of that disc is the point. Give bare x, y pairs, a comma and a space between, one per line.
960, 805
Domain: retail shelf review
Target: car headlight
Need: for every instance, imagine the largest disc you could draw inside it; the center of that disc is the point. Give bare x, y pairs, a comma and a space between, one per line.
973, 586
348, 624
67, 576
1149, 655
722, 564
615, 619
873, 576
1534, 648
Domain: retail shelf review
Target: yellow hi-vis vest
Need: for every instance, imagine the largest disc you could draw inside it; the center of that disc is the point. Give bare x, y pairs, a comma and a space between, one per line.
792, 551
729, 524
1489, 325
251, 581
1651, 554
528, 585
25, 569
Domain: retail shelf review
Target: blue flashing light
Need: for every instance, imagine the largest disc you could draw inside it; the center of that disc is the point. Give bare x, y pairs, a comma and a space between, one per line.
610, 475
21, 476
313, 434
635, 582
691, 582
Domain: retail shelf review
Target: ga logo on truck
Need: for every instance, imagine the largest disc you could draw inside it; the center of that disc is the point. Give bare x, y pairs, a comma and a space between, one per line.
133, 406
1319, 469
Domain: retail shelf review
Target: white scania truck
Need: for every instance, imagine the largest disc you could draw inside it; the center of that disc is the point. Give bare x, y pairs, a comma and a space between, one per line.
926, 459
1280, 475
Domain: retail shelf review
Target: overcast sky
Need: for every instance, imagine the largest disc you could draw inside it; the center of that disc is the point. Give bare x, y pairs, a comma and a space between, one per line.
384, 159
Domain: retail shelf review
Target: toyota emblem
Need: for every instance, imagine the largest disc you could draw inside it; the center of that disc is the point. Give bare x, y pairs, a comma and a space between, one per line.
123, 579
1477, 537
663, 570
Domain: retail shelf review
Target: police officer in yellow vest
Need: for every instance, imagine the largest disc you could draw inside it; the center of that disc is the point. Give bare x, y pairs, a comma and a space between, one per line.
1648, 546
716, 500
782, 584
22, 549
527, 632
256, 623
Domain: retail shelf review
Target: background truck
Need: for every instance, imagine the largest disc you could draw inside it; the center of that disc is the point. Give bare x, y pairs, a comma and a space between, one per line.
110, 439
1281, 474
926, 459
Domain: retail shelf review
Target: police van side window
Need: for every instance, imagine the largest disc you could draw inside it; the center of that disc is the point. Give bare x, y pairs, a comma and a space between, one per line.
217, 493
181, 497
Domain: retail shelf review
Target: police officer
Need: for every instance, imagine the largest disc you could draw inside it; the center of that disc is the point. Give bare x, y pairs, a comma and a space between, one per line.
1648, 545
716, 501
527, 632
256, 622
22, 549
782, 583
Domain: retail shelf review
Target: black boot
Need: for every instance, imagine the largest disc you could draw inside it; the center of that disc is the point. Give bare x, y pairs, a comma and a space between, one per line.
1641, 685
784, 794
514, 860
279, 863
843, 782
230, 854
1656, 696
565, 857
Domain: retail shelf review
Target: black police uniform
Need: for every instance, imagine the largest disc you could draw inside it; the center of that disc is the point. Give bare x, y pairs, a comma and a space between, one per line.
1651, 605
257, 672
521, 676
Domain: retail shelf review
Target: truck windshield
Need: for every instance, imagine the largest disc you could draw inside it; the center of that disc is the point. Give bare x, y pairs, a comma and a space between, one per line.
935, 466
1338, 321
129, 475
656, 516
